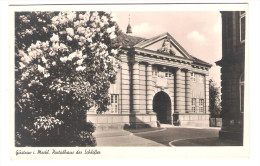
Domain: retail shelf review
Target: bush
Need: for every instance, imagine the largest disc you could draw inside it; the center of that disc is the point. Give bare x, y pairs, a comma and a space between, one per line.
64, 63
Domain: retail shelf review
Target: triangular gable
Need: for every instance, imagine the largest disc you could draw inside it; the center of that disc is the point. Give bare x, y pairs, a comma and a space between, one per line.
164, 43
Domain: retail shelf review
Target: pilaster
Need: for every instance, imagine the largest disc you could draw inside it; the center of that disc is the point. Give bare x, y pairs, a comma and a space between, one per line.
206, 94
136, 87
125, 88
180, 91
187, 91
149, 89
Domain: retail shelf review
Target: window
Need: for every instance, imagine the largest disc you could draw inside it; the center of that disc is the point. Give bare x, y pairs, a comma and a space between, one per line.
114, 104
193, 77
159, 71
201, 79
201, 105
193, 105
168, 74
155, 71
242, 26
241, 89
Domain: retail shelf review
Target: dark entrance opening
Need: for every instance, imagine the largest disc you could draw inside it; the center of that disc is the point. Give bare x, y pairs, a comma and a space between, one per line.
162, 107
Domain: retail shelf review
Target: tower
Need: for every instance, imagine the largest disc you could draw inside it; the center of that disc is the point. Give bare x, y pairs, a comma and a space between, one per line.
129, 28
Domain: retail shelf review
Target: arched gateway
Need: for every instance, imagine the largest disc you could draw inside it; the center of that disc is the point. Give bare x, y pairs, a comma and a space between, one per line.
162, 107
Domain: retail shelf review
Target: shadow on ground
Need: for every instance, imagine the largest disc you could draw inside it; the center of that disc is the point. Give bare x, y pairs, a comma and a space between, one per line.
206, 142
179, 136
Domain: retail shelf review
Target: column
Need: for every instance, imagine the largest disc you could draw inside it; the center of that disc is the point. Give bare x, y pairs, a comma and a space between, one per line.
206, 94
125, 87
136, 88
180, 91
149, 89
187, 92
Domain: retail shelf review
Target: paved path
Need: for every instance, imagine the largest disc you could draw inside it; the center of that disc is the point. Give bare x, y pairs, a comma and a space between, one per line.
166, 136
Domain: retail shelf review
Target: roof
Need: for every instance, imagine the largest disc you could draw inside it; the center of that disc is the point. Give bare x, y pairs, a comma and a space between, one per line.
129, 41
199, 61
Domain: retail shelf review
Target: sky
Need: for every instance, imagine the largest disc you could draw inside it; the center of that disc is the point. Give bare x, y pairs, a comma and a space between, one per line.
198, 32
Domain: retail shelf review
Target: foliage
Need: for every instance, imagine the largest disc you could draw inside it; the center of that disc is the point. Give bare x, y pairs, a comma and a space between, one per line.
64, 63
214, 99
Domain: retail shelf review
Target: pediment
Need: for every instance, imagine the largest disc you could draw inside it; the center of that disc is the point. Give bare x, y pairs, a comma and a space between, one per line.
164, 43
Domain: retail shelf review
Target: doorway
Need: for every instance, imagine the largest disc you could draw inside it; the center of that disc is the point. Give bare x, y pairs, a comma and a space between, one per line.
162, 107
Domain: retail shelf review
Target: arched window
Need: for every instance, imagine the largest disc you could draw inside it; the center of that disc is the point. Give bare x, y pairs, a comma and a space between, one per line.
241, 89
242, 26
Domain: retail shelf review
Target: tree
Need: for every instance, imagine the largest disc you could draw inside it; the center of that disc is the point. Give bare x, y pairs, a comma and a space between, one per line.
64, 63
214, 99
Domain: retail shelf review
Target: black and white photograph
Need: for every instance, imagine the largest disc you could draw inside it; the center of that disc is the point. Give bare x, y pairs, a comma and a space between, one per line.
97, 78
88, 79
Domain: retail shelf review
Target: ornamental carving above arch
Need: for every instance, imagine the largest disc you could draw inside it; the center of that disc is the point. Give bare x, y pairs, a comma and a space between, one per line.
167, 47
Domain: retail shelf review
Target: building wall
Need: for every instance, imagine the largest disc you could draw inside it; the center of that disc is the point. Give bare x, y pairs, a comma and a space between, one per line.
232, 63
136, 85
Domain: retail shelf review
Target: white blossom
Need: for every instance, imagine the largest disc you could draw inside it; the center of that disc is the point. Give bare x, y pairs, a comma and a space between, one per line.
76, 37
103, 46
82, 39
21, 65
55, 20
26, 59
78, 54
104, 19
70, 31
76, 23
44, 59
28, 31
81, 30
38, 44
21, 53
94, 25
80, 61
71, 16
112, 36
55, 46
52, 53
89, 40
82, 22
80, 68
54, 38
69, 38
63, 20
45, 45
71, 56
95, 14
33, 46
63, 47
111, 30
63, 59
41, 69
101, 24
46, 75
45, 29
81, 16
113, 51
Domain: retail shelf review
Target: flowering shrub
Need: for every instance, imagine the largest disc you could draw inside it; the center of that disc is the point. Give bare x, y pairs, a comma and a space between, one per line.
64, 63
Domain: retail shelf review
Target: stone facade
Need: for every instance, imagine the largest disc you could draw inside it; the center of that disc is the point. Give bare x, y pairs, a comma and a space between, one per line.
158, 81
232, 74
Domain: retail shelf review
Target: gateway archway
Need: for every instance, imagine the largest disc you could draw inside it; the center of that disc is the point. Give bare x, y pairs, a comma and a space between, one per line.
162, 107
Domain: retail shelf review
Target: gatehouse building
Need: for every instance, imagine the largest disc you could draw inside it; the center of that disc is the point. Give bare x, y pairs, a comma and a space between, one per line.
159, 81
